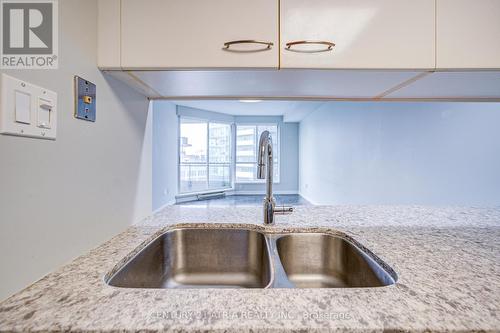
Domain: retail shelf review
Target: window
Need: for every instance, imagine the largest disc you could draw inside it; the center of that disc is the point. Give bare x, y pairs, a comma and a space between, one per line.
247, 140
205, 155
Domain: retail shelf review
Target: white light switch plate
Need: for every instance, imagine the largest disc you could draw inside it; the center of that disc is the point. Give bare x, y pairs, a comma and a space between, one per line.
27, 109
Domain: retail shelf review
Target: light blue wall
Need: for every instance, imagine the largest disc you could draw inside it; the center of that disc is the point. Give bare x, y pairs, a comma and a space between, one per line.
165, 128
401, 153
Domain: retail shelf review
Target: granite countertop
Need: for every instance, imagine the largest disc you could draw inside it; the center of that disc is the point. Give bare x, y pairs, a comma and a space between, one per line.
447, 261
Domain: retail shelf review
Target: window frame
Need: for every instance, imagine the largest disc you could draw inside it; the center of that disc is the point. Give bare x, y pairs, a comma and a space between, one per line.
233, 162
276, 180
207, 188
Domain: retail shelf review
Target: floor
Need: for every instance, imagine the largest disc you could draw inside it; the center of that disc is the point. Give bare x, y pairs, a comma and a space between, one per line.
248, 200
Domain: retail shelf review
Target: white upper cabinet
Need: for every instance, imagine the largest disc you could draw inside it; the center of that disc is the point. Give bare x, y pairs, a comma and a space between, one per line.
468, 34
390, 45
176, 34
108, 36
376, 34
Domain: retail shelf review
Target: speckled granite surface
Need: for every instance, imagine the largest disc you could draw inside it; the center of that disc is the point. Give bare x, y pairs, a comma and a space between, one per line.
447, 261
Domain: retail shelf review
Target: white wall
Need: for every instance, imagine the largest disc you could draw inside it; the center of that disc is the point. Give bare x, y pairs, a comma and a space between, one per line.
60, 198
165, 153
143, 205
401, 153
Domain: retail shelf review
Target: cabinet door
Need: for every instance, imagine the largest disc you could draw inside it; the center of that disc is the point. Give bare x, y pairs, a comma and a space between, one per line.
380, 34
468, 34
164, 34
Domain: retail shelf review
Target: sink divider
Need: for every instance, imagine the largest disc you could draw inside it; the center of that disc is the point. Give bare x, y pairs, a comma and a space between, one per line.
279, 278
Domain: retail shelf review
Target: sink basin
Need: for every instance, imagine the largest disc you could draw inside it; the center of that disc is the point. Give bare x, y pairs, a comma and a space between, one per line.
199, 258
239, 258
314, 260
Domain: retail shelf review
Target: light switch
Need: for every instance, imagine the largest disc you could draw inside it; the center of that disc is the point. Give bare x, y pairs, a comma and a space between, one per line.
23, 107
44, 112
27, 109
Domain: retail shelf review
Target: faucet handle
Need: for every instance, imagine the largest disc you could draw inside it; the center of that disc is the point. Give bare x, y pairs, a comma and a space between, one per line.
283, 210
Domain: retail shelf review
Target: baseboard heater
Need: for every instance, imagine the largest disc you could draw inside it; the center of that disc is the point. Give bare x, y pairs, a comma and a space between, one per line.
207, 196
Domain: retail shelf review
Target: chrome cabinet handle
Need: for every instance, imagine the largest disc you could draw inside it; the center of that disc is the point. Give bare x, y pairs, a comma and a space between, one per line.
227, 45
329, 45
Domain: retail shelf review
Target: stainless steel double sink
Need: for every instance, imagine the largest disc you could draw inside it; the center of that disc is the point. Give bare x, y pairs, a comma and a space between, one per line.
243, 258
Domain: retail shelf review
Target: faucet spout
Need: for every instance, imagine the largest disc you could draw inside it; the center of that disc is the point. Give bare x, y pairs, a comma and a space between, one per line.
266, 150
266, 154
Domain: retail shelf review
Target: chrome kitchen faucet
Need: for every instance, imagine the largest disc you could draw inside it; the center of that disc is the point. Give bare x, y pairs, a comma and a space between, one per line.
266, 150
